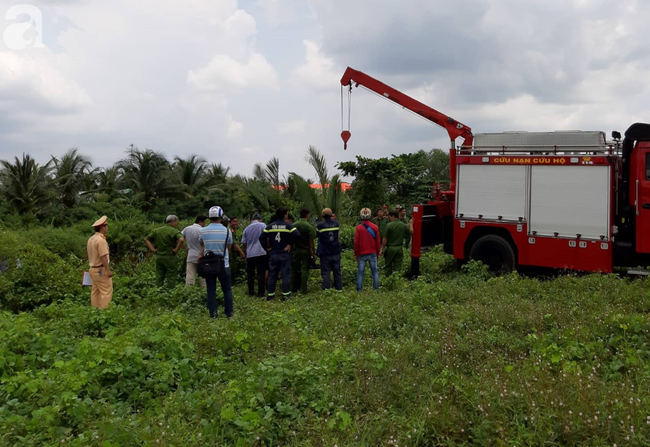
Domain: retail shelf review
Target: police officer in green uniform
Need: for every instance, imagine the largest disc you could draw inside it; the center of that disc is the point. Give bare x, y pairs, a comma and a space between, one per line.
393, 242
165, 243
381, 221
402, 216
303, 253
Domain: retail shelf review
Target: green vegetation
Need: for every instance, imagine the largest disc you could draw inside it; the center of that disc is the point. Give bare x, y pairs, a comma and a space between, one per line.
454, 358
146, 185
404, 178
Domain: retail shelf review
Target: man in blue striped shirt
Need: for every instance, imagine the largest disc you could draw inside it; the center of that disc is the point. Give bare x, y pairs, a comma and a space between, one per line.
218, 239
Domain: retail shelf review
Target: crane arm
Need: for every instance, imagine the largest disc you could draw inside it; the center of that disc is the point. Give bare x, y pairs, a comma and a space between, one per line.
454, 128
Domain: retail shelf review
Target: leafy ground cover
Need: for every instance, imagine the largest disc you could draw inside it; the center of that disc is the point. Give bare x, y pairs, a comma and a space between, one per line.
454, 358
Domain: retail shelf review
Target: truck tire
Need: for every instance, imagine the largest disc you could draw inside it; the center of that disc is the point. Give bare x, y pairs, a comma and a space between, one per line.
495, 252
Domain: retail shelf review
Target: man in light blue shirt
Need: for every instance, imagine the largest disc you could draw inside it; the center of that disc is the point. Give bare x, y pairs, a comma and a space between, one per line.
218, 239
256, 256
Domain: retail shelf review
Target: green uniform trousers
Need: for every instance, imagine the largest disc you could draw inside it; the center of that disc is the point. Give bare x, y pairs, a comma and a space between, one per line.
235, 267
300, 260
166, 270
393, 256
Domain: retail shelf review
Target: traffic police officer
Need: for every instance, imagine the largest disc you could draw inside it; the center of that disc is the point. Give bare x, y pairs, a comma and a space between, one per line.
100, 270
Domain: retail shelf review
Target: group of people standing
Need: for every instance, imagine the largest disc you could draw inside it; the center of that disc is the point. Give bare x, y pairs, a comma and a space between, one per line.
283, 251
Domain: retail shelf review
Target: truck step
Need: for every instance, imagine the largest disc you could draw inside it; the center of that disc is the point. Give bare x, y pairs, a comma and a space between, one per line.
638, 272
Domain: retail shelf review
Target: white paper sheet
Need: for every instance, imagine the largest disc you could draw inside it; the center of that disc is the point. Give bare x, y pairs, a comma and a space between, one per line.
87, 280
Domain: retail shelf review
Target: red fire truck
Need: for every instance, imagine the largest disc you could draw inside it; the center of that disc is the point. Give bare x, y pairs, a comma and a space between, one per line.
564, 199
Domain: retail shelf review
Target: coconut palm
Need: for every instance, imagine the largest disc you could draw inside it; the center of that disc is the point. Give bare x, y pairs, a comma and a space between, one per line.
330, 194
270, 173
107, 180
307, 196
317, 161
25, 184
71, 173
191, 172
149, 175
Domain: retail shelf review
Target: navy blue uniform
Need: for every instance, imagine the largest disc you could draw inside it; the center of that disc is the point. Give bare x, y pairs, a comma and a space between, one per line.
279, 234
329, 250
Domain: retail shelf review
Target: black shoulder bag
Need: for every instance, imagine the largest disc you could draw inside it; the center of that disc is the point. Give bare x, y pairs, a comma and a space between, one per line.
212, 264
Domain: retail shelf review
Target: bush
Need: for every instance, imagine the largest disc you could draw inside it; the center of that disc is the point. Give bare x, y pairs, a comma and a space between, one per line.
35, 276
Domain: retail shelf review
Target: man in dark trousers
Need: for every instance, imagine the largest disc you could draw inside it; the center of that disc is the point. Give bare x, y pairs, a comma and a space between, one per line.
256, 256
279, 236
329, 250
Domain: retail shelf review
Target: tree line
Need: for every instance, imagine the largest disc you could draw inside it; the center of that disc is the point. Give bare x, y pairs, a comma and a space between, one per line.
146, 182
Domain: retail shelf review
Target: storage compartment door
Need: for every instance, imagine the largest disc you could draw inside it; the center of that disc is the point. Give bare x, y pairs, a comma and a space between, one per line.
570, 200
491, 191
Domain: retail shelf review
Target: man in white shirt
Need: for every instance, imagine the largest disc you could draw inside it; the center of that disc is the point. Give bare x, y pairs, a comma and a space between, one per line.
193, 247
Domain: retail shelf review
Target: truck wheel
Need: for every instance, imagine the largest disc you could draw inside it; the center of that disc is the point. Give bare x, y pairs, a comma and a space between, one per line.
495, 252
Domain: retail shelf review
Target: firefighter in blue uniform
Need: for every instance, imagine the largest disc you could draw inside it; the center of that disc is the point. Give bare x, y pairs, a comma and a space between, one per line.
329, 250
279, 236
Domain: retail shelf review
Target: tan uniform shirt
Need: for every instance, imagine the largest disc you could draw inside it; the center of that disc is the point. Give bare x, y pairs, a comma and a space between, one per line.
97, 247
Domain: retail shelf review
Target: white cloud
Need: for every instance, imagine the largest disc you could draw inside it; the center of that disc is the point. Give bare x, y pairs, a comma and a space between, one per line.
33, 82
235, 129
317, 71
292, 127
278, 12
224, 73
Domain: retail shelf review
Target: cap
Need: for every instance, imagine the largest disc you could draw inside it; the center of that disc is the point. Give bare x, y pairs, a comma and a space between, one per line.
215, 211
399, 207
224, 219
365, 214
257, 216
327, 212
100, 222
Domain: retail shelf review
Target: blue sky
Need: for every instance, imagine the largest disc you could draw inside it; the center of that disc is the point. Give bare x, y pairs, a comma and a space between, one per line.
239, 82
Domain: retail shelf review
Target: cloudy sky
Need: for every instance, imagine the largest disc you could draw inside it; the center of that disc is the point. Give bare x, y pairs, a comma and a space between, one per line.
239, 82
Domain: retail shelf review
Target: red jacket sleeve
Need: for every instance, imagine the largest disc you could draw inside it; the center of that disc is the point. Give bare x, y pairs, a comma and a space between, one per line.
357, 236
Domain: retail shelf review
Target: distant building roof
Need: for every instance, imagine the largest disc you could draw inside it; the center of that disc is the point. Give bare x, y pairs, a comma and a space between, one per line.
344, 186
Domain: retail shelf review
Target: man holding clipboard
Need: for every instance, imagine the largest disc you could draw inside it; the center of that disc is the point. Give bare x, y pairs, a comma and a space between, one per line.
100, 270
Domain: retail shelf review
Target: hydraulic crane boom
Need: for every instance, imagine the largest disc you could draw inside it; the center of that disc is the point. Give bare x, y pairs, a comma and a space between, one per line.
454, 128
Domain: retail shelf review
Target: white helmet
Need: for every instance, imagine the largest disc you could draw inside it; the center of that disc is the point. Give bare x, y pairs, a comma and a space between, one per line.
366, 214
215, 211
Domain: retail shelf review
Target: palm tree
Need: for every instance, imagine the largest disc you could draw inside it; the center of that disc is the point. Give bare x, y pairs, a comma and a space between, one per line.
148, 174
269, 173
71, 173
330, 195
306, 195
107, 180
317, 161
26, 184
191, 172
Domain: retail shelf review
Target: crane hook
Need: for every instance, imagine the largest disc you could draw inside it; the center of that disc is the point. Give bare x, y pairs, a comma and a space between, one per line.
345, 135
